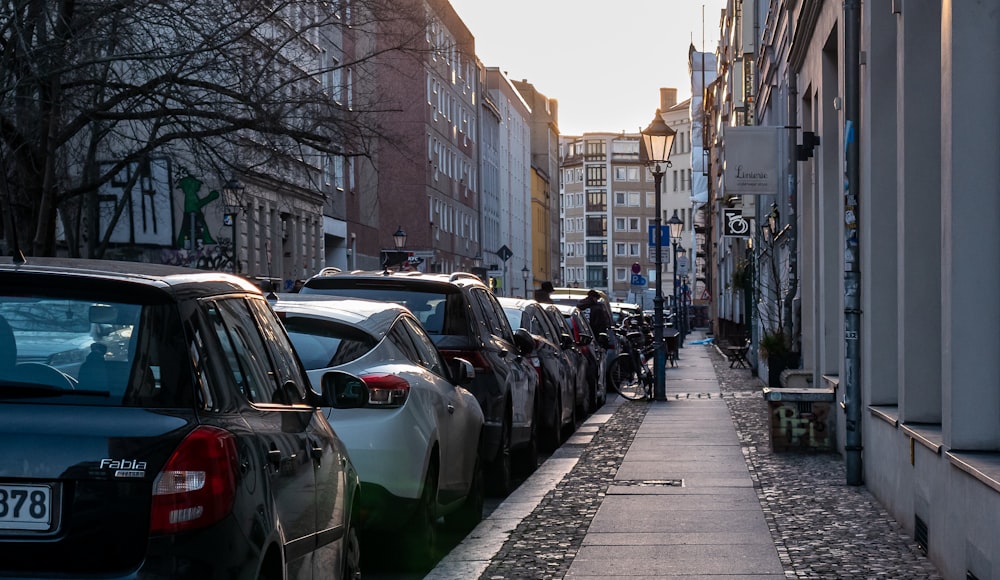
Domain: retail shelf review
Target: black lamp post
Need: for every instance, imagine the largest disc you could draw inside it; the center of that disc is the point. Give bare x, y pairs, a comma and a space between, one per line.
525, 272
399, 242
232, 198
657, 139
676, 228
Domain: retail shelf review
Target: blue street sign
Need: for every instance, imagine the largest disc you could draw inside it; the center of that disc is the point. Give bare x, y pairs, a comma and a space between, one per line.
664, 235
638, 280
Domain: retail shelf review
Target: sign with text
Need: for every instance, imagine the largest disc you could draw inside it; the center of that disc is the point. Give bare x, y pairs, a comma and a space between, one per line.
751, 165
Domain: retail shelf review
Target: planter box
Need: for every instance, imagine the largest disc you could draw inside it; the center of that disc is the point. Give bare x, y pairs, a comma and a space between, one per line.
801, 419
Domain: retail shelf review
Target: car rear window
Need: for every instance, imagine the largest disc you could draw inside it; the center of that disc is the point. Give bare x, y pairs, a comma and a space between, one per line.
78, 351
440, 313
323, 344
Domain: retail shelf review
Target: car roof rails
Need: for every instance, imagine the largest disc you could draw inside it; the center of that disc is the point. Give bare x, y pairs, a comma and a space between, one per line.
464, 276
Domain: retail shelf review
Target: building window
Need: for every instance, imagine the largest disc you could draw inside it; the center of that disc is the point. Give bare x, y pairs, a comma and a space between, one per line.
597, 200
620, 249
633, 224
620, 274
597, 226
596, 150
621, 174
651, 200
597, 251
620, 224
633, 249
597, 176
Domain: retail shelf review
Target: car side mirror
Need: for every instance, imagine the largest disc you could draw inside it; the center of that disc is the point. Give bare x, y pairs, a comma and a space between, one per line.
343, 391
586, 339
603, 340
566, 341
524, 342
462, 371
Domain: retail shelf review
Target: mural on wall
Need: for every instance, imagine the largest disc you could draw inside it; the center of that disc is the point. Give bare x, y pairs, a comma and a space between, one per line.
146, 217
194, 224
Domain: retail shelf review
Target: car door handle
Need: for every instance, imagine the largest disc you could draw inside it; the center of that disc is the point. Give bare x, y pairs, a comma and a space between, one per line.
317, 453
274, 458
451, 408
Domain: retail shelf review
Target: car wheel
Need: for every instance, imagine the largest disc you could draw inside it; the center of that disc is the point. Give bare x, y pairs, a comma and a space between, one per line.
500, 471
471, 512
420, 540
352, 553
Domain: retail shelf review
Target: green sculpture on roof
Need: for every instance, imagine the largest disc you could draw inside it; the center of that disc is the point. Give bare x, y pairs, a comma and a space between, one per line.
194, 220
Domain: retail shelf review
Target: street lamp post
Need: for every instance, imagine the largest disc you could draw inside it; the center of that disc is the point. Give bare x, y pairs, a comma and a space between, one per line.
676, 229
657, 139
525, 272
399, 241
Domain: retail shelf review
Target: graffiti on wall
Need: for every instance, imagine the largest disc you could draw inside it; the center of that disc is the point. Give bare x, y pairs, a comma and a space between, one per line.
194, 225
219, 257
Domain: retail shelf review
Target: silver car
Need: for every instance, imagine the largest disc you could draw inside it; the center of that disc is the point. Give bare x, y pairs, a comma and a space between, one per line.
415, 442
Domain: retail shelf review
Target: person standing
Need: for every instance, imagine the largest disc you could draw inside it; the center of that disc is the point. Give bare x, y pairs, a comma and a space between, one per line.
599, 314
544, 294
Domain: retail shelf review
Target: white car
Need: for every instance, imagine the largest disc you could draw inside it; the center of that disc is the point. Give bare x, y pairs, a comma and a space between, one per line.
415, 443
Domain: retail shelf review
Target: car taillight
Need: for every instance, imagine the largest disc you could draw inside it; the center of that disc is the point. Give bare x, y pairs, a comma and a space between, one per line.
197, 486
479, 362
386, 391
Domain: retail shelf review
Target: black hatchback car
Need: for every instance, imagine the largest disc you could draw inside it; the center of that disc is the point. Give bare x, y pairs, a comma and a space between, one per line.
156, 423
463, 318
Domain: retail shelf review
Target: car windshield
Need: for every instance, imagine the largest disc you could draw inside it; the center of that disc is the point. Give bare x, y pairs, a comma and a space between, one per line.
78, 351
323, 344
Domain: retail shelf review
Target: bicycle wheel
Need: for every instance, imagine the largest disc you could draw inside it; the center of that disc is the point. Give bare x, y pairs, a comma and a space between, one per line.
627, 378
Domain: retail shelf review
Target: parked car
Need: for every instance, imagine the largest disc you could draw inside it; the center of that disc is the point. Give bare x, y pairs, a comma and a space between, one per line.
574, 353
622, 310
594, 357
187, 441
609, 348
464, 319
557, 375
415, 442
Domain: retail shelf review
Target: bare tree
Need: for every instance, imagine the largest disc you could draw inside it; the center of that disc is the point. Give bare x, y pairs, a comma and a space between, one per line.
91, 89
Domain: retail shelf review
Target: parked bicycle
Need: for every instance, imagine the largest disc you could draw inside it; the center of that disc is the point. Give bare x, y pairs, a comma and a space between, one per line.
629, 373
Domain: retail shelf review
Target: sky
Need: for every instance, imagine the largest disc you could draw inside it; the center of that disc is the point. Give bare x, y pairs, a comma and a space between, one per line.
604, 61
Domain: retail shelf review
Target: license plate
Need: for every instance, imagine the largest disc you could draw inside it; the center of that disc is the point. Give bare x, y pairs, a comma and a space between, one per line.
25, 507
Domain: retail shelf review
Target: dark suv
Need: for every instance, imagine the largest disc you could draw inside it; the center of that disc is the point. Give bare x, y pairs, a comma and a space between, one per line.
464, 319
156, 423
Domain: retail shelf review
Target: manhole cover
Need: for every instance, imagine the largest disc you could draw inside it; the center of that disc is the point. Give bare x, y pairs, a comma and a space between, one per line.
651, 482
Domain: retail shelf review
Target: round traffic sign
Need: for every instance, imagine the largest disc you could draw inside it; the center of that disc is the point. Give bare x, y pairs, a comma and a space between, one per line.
636, 268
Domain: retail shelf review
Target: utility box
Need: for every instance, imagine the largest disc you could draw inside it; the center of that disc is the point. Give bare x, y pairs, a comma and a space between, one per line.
801, 419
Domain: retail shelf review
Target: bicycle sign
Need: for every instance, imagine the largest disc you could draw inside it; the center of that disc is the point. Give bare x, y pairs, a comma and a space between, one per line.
734, 223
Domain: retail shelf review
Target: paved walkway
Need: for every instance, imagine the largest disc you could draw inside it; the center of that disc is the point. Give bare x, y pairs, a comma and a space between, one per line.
687, 488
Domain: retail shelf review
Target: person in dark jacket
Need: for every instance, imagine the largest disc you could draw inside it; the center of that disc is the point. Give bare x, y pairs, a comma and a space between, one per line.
544, 294
598, 312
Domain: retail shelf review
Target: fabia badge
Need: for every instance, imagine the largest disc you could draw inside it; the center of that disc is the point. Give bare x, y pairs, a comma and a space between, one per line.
125, 468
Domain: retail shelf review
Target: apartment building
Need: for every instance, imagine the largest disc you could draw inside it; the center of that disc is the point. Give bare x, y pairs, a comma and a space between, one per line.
423, 172
545, 223
609, 206
885, 233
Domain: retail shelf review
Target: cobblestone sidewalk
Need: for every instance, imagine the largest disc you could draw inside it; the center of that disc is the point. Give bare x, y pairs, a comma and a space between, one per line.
822, 528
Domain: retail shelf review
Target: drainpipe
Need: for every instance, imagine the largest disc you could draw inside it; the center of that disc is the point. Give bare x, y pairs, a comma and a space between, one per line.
852, 269
792, 218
